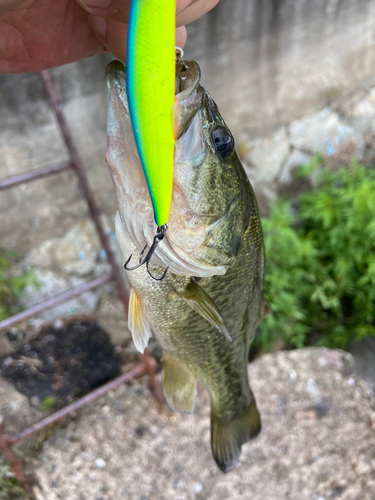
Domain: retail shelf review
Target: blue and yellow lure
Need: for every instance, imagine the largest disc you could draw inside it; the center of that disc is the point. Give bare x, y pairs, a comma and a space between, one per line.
150, 86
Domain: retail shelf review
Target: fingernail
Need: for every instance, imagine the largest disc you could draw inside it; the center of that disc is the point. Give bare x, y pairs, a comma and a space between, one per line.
95, 4
99, 24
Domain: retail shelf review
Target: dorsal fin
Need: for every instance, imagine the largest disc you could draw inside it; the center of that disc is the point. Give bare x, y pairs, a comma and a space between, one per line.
137, 322
201, 302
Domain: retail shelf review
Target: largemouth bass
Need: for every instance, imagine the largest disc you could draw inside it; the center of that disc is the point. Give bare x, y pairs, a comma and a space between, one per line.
205, 312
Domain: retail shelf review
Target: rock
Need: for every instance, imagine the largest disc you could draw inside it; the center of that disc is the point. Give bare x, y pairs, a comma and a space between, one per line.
324, 132
295, 160
42, 256
313, 390
265, 157
51, 284
15, 334
78, 249
61, 263
362, 116
364, 354
289, 185
315, 443
99, 463
15, 412
78, 252
197, 488
370, 97
112, 316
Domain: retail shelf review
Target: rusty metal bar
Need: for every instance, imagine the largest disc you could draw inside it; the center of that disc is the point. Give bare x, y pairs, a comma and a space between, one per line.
150, 368
32, 175
16, 465
56, 299
77, 405
78, 166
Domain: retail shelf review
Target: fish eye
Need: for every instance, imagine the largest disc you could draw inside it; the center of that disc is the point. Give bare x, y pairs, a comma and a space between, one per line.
222, 141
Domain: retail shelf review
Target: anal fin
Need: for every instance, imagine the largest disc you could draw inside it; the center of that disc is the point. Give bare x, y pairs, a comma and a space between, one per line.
179, 386
201, 302
228, 437
137, 322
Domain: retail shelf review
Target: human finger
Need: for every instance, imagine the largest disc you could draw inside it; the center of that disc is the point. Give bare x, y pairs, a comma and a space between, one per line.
112, 10
194, 11
113, 35
118, 10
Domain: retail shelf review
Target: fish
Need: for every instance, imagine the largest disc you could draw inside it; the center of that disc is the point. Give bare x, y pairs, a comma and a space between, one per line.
205, 312
150, 84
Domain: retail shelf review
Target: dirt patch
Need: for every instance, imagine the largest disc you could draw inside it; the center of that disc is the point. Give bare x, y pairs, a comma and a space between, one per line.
61, 362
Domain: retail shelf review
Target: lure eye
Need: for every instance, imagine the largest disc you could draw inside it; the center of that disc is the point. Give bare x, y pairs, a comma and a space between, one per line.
223, 141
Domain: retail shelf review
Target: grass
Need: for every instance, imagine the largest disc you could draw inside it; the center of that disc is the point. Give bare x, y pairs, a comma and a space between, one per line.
9, 487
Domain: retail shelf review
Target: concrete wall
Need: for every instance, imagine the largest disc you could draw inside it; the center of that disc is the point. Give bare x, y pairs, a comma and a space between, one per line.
266, 63
30, 138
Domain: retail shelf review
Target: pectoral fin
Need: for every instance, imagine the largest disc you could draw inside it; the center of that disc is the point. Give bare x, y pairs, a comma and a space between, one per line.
179, 386
265, 309
228, 437
137, 322
201, 302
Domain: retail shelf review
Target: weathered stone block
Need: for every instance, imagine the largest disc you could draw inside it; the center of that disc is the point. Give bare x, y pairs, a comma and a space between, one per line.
325, 133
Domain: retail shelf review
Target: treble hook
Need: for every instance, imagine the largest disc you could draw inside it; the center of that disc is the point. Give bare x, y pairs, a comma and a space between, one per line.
160, 233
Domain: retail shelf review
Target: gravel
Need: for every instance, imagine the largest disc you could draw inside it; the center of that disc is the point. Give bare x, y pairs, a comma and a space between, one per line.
317, 441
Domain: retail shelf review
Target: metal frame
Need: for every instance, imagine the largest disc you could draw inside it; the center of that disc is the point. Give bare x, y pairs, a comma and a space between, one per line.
75, 163
146, 367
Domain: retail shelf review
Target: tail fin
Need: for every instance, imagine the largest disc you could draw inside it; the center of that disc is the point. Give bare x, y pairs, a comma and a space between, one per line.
227, 438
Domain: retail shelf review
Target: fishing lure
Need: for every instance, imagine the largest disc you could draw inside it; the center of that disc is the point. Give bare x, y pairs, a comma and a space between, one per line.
150, 86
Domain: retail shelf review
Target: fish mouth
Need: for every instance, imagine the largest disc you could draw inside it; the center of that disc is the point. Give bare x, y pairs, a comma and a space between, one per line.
189, 96
135, 226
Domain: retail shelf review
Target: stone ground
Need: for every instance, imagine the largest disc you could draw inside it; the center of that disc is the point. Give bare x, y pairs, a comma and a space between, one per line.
317, 441
364, 355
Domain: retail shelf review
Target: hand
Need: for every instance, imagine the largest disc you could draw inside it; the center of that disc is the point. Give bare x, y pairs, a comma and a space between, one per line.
40, 34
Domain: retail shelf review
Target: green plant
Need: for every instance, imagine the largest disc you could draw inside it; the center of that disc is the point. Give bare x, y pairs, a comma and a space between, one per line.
9, 488
48, 403
11, 287
320, 270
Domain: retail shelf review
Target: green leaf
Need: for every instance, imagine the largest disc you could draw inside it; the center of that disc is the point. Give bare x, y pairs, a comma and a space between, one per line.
320, 267
12, 286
